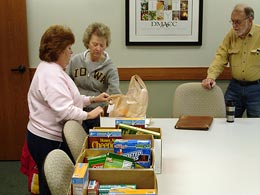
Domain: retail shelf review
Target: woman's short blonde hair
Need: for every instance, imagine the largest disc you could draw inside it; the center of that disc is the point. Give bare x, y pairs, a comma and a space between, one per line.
99, 29
54, 41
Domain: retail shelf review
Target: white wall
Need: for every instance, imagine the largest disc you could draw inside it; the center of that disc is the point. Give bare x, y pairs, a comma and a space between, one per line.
77, 14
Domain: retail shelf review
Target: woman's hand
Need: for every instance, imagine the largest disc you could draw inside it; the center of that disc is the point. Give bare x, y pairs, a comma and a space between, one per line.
95, 113
103, 97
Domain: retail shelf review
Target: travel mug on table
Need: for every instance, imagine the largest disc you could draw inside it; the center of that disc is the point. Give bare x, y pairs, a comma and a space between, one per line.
230, 111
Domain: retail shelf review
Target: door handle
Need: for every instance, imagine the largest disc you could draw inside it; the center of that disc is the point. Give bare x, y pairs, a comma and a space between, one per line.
20, 69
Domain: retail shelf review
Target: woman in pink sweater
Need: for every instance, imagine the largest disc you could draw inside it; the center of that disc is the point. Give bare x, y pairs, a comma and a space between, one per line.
53, 98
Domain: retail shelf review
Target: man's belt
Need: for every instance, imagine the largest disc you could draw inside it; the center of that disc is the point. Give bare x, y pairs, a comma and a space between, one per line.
247, 83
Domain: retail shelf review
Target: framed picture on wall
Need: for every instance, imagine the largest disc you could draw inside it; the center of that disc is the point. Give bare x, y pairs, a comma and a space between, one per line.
163, 22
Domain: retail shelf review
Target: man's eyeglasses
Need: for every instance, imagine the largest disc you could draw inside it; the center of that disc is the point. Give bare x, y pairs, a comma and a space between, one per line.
237, 22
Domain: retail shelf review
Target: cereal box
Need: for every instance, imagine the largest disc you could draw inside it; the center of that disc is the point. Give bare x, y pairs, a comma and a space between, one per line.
136, 122
103, 138
139, 150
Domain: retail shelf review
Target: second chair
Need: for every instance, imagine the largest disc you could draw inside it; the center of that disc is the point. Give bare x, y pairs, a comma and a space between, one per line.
192, 99
58, 170
74, 136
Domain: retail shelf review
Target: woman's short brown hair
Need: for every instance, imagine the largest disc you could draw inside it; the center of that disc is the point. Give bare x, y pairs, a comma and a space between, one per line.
99, 29
54, 41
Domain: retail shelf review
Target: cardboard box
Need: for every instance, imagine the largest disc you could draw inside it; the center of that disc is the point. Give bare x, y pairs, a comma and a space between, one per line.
143, 178
108, 122
157, 150
90, 152
80, 179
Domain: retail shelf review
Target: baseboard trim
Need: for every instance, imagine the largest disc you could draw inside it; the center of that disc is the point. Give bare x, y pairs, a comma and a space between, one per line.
164, 74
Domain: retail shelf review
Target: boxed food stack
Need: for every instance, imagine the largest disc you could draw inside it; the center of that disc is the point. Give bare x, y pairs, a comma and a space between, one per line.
157, 147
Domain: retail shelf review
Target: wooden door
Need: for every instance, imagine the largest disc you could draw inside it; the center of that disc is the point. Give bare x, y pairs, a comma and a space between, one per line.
14, 78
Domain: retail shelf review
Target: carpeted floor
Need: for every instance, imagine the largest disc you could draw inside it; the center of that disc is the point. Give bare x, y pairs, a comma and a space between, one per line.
12, 181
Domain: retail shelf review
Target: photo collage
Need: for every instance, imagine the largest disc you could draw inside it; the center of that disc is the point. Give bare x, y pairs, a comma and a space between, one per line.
164, 10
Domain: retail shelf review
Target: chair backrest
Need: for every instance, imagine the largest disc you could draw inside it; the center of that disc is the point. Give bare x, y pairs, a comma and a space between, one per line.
58, 170
193, 99
74, 136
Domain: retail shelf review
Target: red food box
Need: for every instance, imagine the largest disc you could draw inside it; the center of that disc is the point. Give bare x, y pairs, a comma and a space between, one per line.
103, 138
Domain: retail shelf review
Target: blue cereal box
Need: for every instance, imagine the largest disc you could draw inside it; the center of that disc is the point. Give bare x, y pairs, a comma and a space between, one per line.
139, 150
105, 132
136, 122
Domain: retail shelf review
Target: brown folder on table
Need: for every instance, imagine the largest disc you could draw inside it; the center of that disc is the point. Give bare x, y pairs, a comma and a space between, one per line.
194, 122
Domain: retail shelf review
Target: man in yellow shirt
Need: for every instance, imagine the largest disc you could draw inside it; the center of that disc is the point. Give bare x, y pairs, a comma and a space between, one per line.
240, 50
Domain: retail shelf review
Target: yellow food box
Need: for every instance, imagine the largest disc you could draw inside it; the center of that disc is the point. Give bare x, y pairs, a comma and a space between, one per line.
132, 191
80, 179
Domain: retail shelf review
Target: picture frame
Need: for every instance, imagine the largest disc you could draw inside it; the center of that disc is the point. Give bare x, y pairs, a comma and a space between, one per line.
163, 22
